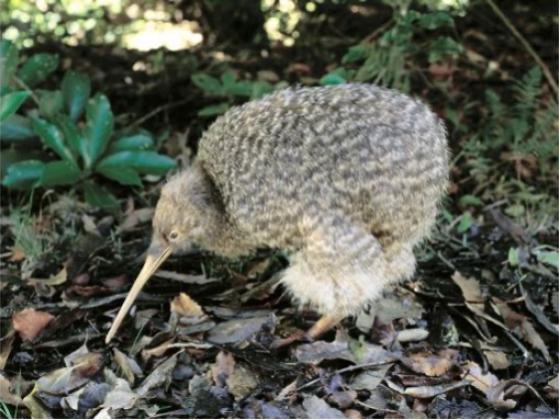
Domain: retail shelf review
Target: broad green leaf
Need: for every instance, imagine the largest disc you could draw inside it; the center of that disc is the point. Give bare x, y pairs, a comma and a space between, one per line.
76, 88
8, 62
50, 102
241, 88
470, 200
355, 53
465, 223
228, 79
10, 156
261, 88
332, 79
142, 161
59, 173
548, 257
124, 176
37, 68
53, 138
513, 257
15, 128
11, 102
23, 175
435, 20
72, 135
99, 127
207, 83
134, 142
211, 110
515, 210
98, 196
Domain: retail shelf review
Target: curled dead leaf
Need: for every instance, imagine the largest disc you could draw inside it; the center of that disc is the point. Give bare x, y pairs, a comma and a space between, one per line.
490, 386
523, 327
64, 380
184, 305
344, 349
29, 323
432, 364
127, 365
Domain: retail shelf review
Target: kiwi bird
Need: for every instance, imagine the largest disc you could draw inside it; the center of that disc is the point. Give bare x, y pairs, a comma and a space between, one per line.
347, 179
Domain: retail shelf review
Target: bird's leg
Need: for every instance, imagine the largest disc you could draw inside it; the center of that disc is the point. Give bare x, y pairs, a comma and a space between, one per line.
324, 324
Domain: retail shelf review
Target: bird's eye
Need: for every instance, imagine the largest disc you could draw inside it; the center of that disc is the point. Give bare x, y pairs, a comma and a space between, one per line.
173, 235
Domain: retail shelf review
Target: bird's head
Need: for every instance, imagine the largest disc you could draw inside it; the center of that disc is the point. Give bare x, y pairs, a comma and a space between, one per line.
188, 216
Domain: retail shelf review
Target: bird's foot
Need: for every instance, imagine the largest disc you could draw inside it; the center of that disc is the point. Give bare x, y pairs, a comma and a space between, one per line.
296, 337
324, 324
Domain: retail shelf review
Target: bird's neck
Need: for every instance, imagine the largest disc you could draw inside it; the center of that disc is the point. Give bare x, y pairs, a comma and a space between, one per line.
230, 241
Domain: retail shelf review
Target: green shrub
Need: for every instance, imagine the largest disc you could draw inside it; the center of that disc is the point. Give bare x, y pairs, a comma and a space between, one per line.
387, 60
76, 128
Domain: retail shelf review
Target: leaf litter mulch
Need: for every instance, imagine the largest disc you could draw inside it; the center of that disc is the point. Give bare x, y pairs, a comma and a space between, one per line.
472, 336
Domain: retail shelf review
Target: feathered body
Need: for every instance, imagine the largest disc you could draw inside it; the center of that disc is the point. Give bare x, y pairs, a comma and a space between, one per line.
347, 178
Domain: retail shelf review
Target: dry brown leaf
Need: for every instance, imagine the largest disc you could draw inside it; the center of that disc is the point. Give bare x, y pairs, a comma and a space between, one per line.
490, 386
136, 217
342, 348
427, 391
120, 396
127, 365
159, 350
523, 327
370, 378
64, 380
160, 375
471, 292
29, 323
6, 395
551, 388
497, 359
432, 364
184, 305
6, 347
54, 280
241, 382
223, 368
240, 330
35, 407
17, 255
352, 414
317, 408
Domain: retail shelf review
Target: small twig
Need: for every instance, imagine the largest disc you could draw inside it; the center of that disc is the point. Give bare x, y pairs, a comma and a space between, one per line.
376, 32
160, 109
371, 407
525, 44
344, 370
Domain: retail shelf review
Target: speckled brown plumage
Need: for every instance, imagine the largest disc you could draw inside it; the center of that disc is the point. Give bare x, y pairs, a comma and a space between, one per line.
346, 178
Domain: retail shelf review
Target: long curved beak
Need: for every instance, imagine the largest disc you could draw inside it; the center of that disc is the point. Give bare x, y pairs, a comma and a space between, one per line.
156, 256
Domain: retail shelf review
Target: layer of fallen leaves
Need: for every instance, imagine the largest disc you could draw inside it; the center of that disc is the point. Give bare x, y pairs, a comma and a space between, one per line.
199, 345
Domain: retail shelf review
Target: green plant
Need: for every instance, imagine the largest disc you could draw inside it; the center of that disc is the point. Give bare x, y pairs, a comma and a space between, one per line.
82, 146
386, 61
228, 88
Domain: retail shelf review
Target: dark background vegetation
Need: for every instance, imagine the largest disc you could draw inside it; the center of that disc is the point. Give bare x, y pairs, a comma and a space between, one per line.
168, 68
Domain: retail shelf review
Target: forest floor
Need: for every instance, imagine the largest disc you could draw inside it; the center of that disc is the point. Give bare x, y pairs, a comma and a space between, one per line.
473, 335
